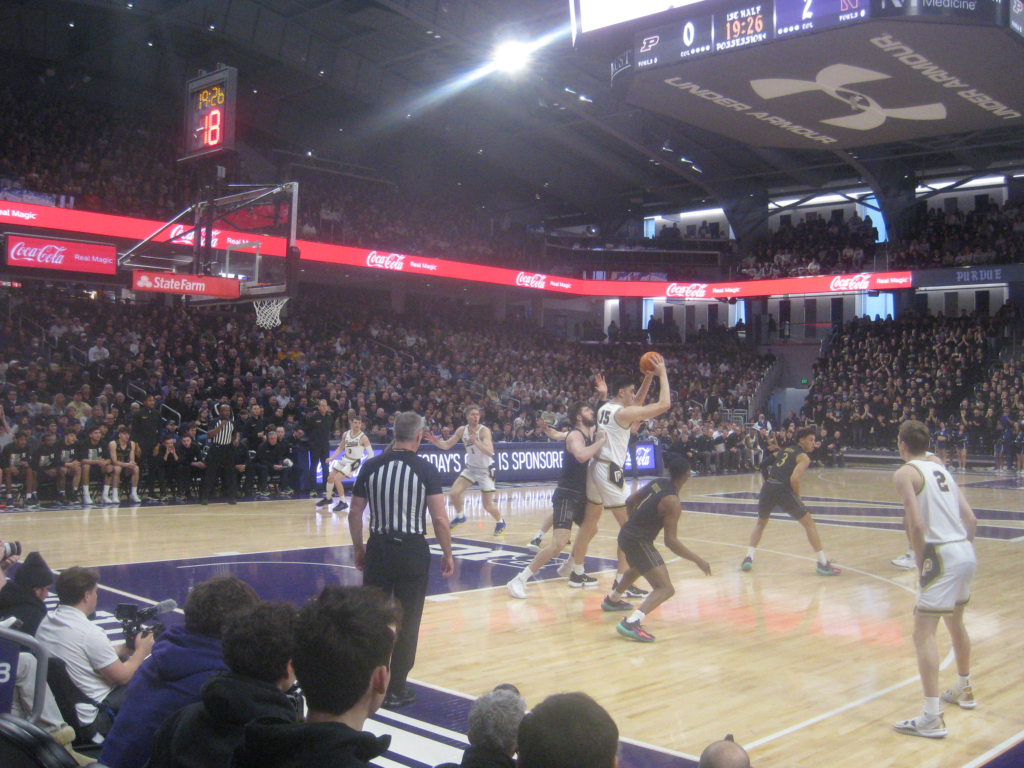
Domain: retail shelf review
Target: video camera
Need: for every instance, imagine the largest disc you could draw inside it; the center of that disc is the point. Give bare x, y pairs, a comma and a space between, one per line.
132, 619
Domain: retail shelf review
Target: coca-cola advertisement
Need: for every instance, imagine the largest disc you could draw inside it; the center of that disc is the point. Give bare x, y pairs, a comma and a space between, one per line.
60, 255
395, 261
185, 285
532, 280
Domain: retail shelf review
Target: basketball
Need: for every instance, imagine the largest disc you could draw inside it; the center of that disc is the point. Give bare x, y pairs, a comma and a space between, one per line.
648, 360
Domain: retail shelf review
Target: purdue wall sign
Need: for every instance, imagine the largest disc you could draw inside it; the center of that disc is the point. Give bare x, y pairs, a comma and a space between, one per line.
868, 83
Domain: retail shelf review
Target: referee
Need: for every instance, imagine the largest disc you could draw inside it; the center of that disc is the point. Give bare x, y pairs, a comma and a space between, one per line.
219, 457
400, 488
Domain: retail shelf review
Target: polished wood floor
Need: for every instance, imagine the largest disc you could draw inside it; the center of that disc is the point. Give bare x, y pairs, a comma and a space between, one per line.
803, 670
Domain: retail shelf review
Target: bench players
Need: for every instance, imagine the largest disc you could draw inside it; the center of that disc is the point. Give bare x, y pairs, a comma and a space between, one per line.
605, 479
941, 526
569, 499
781, 488
355, 446
478, 470
653, 507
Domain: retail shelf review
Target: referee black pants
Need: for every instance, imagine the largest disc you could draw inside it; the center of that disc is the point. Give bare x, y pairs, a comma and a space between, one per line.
218, 462
318, 455
400, 566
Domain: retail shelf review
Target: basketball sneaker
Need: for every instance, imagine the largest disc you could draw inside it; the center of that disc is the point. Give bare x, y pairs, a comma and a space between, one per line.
962, 696
324, 501
922, 725
747, 564
634, 631
534, 546
517, 588
615, 605
457, 521
566, 567
905, 561
580, 580
829, 570
114, 498
338, 505
500, 527
635, 592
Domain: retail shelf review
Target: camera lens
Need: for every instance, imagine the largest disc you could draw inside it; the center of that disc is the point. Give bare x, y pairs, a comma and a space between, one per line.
12, 548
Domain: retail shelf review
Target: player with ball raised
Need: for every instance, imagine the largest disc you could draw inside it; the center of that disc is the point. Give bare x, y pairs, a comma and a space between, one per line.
606, 481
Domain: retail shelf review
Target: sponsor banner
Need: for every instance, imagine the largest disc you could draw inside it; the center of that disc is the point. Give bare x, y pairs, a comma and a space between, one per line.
119, 226
186, 285
60, 255
524, 462
936, 278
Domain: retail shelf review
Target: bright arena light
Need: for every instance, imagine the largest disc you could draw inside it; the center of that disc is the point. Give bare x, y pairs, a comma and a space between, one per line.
512, 56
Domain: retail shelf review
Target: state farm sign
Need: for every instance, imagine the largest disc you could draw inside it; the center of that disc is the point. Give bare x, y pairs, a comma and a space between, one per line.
186, 285
61, 255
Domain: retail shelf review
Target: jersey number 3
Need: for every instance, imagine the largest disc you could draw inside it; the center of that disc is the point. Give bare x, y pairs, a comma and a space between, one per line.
941, 479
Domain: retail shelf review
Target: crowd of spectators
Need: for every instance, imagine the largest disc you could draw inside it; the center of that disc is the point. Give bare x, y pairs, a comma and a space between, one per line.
878, 374
984, 236
812, 247
92, 366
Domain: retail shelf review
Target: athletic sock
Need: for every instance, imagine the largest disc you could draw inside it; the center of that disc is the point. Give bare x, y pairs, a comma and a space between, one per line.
822, 560
636, 617
526, 574
750, 552
963, 681
615, 596
540, 535
578, 570
931, 706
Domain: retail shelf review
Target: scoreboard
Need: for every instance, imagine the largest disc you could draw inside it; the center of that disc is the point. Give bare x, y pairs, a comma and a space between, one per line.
210, 113
712, 26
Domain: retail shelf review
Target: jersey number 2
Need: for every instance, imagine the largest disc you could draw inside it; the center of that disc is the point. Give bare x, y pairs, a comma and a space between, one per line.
941, 479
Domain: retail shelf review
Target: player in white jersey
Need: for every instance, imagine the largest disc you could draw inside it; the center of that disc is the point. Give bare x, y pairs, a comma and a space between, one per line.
477, 469
907, 561
606, 482
941, 526
344, 462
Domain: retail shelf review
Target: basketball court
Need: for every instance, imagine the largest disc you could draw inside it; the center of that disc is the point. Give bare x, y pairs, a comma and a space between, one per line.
794, 665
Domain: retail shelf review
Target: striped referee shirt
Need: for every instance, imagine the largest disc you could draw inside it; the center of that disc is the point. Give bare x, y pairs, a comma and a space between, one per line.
225, 434
396, 485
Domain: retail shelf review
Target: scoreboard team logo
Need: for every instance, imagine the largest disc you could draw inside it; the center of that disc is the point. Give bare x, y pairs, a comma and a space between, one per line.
833, 81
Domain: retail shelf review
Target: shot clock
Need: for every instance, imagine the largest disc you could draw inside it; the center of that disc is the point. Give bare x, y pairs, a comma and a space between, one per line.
210, 113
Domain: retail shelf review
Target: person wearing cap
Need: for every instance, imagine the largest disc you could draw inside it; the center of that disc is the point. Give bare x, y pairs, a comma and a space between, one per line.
23, 594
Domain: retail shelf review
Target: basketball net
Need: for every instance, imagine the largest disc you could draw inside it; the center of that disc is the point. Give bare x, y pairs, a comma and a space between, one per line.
268, 312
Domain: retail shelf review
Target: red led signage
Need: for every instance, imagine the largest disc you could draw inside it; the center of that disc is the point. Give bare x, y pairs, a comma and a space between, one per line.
60, 255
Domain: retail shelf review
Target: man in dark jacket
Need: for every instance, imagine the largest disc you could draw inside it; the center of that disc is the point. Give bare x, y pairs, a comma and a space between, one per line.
258, 650
343, 644
23, 595
182, 660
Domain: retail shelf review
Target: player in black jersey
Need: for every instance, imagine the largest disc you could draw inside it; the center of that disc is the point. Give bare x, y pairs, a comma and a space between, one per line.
69, 465
570, 498
124, 460
782, 489
46, 462
653, 507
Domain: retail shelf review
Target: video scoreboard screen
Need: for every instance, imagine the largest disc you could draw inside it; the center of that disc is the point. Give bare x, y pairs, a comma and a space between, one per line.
1017, 16
741, 24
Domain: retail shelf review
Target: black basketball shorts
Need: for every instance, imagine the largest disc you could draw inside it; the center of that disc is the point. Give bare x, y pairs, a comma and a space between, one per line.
569, 508
777, 494
641, 554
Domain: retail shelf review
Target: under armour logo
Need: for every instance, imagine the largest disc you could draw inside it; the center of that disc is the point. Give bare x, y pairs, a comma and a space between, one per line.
649, 42
833, 81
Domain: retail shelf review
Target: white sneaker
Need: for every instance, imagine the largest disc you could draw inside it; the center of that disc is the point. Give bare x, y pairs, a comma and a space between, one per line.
930, 728
114, 498
964, 697
534, 546
135, 497
86, 498
906, 560
517, 588
105, 496
566, 568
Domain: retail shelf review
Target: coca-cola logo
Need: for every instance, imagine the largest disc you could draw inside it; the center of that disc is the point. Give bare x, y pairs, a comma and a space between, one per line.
47, 254
687, 290
531, 280
394, 261
180, 236
861, 282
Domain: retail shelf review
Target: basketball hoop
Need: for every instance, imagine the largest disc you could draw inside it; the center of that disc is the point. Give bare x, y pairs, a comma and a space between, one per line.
268, 312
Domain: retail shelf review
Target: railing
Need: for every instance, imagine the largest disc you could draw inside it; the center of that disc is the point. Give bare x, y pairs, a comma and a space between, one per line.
48, 345
171, 410
409, 357
128, 392
73, 350
763, 390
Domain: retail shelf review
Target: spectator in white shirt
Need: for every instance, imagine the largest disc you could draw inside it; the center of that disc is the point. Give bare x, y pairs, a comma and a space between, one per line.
93, 663
97, 352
